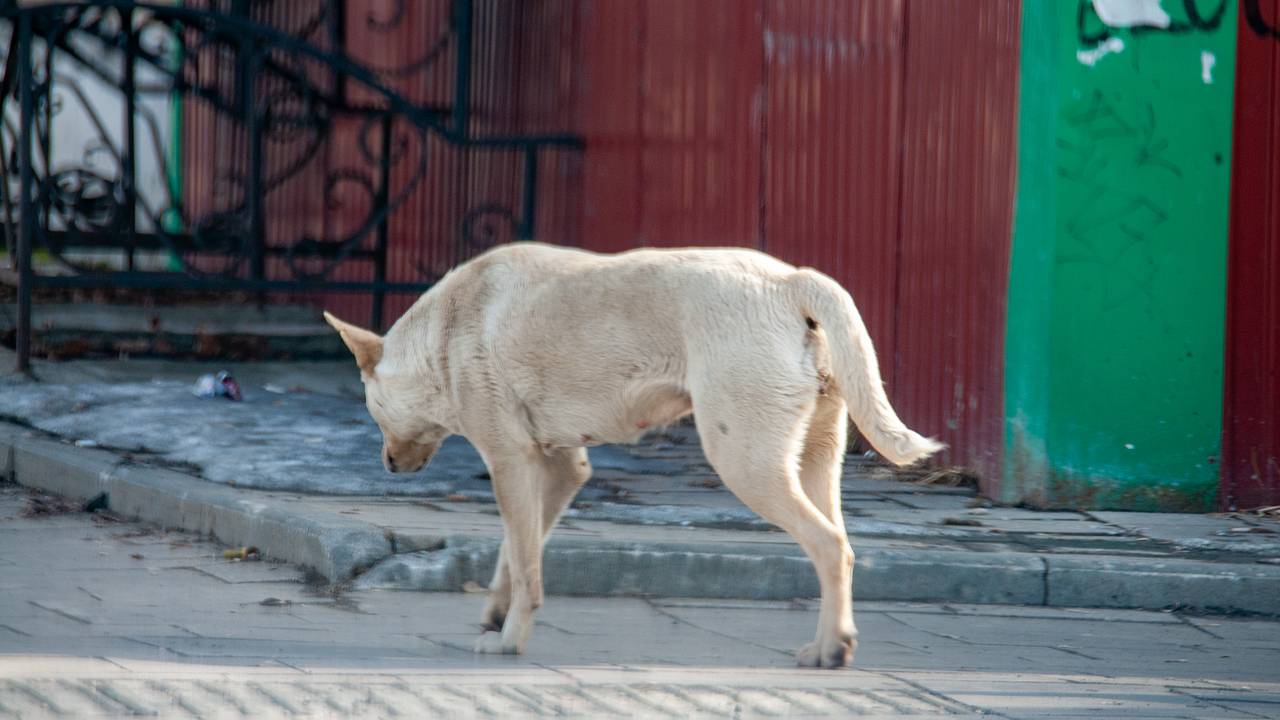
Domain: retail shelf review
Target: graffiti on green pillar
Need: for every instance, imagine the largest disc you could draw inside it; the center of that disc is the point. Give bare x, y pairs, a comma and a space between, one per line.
1114, 367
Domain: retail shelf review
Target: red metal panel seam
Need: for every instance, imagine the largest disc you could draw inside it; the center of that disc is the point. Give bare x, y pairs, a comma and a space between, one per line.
1271, 259
759, 99
1271, 265
642, 59
890, 356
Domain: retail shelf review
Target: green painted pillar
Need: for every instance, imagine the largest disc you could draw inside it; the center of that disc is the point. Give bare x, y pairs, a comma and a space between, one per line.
1113, 379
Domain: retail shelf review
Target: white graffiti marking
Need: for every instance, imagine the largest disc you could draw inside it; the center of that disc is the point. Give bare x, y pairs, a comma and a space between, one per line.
1131, 13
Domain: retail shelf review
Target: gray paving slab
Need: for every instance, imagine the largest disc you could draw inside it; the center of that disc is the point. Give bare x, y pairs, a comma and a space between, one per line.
1228, 532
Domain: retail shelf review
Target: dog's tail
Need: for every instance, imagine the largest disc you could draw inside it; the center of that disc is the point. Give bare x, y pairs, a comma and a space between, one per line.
856, 373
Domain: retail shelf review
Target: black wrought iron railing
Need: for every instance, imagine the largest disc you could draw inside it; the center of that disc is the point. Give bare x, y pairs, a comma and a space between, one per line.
109, 209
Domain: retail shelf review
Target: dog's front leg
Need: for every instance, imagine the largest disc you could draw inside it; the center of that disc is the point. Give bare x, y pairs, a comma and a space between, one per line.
561, 474
499, 602
519, 496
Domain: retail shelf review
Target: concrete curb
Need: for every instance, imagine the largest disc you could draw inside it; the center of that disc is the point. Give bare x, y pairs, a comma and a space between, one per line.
1125, 582
335, 547
340, 548
577, 567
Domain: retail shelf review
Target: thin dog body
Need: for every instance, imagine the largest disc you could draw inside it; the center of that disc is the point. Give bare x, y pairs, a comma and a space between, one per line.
534, 352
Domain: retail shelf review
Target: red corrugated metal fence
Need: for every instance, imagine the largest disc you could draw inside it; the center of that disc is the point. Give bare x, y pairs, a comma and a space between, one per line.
1251, 433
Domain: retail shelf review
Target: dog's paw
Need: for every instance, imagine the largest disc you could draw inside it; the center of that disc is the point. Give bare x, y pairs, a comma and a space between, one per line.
827, 654
490, 643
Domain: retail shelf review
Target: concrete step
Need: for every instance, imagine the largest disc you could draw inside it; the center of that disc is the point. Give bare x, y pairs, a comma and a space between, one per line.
232, 331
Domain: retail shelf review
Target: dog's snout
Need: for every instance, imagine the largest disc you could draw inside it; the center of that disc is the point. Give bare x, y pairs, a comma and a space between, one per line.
407, 457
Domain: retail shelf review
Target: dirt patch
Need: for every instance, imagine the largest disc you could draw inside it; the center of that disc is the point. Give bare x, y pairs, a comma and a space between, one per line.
43, 504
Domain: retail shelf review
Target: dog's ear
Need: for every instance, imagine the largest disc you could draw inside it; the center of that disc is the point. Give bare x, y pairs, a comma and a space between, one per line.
365, 345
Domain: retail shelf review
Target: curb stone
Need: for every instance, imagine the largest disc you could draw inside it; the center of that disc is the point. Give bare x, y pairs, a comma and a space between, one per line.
340, 549
1122, 582
574, 567
335, 547
6, 461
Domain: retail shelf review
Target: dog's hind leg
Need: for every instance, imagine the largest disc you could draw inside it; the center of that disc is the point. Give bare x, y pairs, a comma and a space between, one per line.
821, 465
757, 459
532, 491
822, 457
567, 470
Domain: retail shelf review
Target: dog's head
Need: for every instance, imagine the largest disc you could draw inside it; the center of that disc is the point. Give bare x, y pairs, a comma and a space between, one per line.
397, 401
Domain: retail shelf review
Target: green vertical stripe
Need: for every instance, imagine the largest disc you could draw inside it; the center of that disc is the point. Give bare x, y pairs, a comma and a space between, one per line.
1118, 268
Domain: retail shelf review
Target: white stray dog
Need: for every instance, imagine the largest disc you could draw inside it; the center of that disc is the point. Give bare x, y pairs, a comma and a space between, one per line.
534, 352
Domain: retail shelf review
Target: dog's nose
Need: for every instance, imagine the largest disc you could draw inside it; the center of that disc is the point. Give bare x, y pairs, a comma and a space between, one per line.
391, 463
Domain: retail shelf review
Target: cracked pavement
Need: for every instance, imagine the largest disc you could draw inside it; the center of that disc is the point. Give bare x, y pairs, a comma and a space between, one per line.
103, 618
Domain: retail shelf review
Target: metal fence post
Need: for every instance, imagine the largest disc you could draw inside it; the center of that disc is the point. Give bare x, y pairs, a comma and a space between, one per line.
26, 182
462, 79
254, 188
380, 204
529, 198
129, 174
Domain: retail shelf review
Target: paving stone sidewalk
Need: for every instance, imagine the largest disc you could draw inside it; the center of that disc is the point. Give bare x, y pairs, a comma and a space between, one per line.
105, 618
302, 443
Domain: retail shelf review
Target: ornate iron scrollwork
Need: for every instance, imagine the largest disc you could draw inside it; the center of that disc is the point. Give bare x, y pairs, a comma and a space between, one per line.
266, 107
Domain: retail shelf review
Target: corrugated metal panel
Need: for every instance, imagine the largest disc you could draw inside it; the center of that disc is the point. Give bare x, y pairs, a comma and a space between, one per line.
957, 208
833, 120
700, 123
1251, 442
613, 53
672, 117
